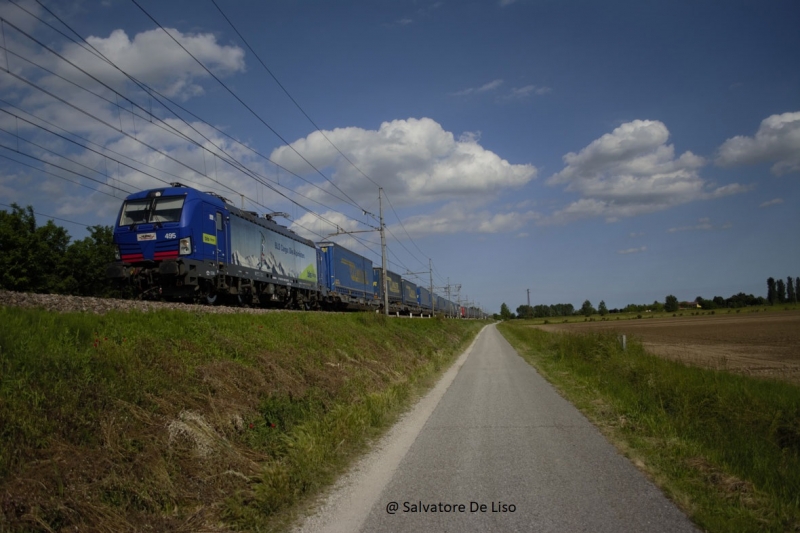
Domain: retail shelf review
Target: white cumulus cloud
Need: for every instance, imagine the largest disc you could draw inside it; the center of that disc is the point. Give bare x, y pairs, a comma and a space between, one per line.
632, 250
777, 140
153, 58
486, 87
457, 217
528, 90
769, 203
632, 171
703, 224
415, 160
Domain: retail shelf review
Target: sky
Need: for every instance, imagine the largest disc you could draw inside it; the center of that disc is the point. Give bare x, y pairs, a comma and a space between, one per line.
618, 151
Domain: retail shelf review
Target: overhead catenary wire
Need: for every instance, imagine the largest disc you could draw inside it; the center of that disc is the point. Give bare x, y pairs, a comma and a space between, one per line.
318, 129
52, 217
149, 117
133, 137
231, 161
244, 104
50, 173
158, 96
100, 55
255, 54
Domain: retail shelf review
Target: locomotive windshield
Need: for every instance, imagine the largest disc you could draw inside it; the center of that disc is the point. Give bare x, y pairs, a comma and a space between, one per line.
152, 210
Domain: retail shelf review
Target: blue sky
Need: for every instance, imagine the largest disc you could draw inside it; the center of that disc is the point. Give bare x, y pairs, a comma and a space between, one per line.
616, 151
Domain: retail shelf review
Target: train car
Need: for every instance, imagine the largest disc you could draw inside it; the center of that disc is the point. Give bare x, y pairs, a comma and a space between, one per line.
410, 303
347, 276
424, 298
180, 243
394, 285
440, 305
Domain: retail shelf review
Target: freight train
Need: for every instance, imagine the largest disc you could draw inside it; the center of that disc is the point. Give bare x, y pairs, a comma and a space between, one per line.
178, 243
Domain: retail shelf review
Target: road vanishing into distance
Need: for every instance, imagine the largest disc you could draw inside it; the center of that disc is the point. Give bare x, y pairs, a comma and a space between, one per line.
493, 447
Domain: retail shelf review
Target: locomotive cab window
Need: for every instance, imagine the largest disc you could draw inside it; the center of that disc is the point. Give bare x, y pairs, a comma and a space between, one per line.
167, 209
219, 221
135, 212
151, 210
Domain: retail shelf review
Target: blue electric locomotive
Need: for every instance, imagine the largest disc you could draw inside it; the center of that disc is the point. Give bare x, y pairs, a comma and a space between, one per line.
179, 243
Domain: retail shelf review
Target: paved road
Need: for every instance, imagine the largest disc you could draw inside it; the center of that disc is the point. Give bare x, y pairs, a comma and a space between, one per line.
497, 435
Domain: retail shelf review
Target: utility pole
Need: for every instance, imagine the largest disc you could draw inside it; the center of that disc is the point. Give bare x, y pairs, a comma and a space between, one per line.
529, 297
340, 231
430, 269
383, 254
447, 289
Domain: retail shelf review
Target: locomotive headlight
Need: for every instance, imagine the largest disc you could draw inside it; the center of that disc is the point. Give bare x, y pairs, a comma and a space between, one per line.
185, 246
116, 253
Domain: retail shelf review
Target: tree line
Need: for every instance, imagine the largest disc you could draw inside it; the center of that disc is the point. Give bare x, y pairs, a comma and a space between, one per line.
778, 292
45, 259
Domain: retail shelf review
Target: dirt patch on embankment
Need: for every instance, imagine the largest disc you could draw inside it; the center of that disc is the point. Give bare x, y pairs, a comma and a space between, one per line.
757, 344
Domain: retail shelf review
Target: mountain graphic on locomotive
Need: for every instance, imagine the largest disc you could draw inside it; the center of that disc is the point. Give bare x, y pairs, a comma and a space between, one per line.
178, 243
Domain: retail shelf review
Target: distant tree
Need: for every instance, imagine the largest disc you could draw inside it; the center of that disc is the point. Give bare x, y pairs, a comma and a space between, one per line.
771, 294
671, 304
541, 311
85, 262
31, 258
719, 301
587, 309
741, 300
505, 312
602, 309
562, 310
525, 311
780, 291
791, 296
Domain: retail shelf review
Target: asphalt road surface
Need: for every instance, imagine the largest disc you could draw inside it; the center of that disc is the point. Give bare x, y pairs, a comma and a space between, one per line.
494, 448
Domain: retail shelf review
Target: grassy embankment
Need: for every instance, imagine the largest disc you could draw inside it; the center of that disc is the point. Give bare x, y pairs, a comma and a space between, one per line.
173, 421
724, 447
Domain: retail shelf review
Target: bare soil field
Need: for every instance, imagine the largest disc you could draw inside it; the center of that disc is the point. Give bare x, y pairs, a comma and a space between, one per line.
757, 344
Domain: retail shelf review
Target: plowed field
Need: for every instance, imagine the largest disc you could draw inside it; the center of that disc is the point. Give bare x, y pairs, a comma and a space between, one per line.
758, 344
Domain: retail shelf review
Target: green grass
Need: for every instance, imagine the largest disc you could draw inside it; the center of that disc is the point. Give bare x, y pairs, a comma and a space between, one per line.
174, 421
777, 308
725, 447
